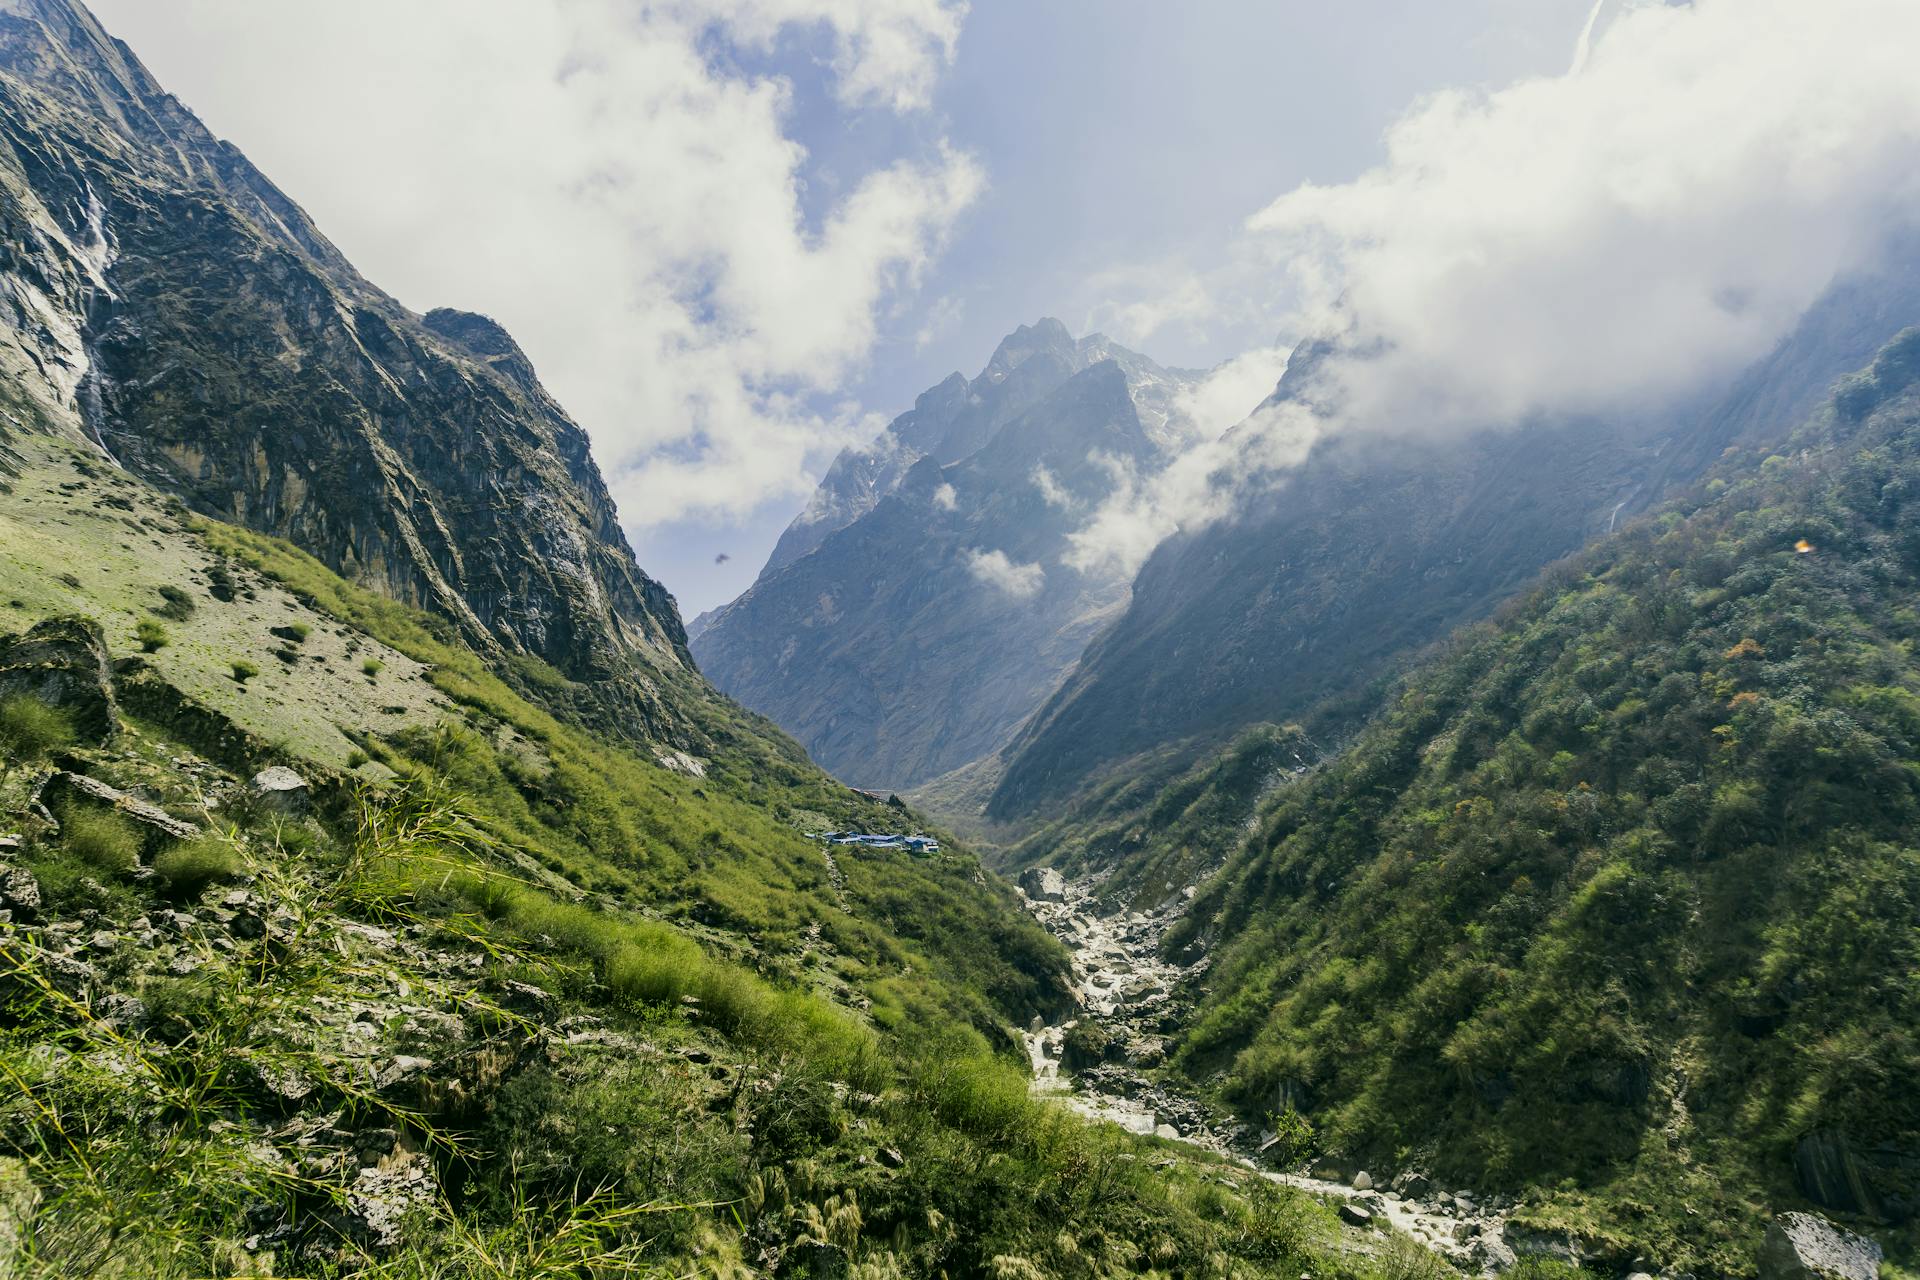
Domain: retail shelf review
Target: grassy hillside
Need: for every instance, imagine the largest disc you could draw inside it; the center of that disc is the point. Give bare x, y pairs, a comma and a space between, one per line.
501, 998
374, 683
1615, 900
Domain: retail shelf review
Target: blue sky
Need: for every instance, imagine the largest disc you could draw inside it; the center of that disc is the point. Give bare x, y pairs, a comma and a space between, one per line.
1107, 149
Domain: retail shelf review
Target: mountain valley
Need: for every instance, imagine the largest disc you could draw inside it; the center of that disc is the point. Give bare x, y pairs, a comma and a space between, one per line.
1478, 851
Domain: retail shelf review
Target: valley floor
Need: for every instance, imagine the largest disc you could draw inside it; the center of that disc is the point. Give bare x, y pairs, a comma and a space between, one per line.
1103, 1062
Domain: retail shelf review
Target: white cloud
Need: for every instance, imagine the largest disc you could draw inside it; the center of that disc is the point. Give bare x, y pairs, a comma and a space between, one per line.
1197, 488
994, 569
1612, 238
1229, 392
604, 179
942, 319
1136, 515
1654, 220
888, 52
945, 498
1050, 491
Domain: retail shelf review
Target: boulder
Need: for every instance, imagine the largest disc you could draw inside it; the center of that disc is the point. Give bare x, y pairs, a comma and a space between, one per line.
1805, 1246
280, 790
77, 788
1354, 1216
19, 892
63, 662
382, 1198
1043, 884
1412, 1184
1363, 1181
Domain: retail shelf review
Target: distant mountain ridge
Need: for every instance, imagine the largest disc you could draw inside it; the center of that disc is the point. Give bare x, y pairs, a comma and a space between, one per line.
924, 603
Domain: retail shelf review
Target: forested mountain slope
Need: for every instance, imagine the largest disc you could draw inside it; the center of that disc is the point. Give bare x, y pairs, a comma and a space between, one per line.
1371, 549
1616, 897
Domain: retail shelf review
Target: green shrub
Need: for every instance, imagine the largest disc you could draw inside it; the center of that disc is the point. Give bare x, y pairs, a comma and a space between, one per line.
372, 667
188, 868
244, 671
178, 606
151, 636
29, 728
297, 632
104, 840
357, 758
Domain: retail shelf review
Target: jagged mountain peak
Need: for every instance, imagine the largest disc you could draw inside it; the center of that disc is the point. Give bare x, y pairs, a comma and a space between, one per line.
959, 417
929, 598
1042, 336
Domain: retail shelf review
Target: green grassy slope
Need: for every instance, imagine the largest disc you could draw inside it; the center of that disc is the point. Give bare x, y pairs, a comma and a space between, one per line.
510, 1000
724, 852
1615, 900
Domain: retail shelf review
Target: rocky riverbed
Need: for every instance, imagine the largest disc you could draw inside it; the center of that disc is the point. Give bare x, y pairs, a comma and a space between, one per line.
1105, 1062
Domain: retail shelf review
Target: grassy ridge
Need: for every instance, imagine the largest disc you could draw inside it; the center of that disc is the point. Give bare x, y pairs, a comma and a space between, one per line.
1615, 899
928, 942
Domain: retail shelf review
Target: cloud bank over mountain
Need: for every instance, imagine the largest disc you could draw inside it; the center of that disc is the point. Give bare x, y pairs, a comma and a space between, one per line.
1601, 241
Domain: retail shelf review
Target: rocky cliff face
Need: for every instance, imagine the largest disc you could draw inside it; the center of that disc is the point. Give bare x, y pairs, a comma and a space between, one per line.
923, 604
160, 297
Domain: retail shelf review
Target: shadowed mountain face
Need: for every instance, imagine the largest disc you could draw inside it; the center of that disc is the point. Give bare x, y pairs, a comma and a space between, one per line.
924, 603
1372, 550
162, 298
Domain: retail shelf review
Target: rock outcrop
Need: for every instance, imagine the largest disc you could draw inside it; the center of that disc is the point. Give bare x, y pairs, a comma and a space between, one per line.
1803, 1246
63, 663
1043, 884
165, 301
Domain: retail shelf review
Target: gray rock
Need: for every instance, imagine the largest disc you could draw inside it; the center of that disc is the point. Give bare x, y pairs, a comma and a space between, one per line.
19, 891
401, 1070
1363, 1181
63, 662
1492, 1255
1354, 1216
281, 790
536, 1004
160, 826
1844, 1176
382, 1199
1043, 884
122, 1012
1805, 1246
